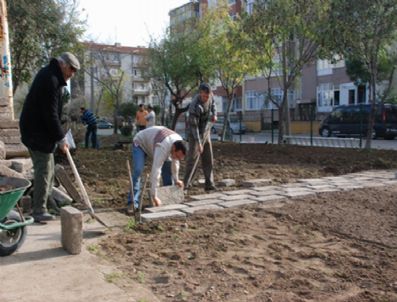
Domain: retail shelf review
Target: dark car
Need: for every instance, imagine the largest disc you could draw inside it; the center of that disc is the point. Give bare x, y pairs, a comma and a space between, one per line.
104, 124
352, 120
234, 126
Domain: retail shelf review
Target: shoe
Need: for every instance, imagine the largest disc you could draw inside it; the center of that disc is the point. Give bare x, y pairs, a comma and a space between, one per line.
43, 217
210, 188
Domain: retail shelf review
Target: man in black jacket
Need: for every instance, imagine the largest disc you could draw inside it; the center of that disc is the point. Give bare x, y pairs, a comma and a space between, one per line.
40, 125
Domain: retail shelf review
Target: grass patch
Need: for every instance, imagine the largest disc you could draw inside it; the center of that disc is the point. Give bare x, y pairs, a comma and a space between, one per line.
113, 277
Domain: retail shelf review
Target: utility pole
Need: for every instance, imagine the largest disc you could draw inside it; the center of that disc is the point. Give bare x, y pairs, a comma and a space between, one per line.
6, 95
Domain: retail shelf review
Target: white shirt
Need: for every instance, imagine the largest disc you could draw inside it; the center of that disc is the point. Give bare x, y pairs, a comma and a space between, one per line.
151, 119
159, 152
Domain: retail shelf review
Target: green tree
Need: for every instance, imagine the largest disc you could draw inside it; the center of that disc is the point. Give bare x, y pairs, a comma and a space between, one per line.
225, 55
364, 32
175, 62
285, 35
39, 30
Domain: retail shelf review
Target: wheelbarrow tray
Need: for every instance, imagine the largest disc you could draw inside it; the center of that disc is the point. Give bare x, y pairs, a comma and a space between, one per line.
10, 197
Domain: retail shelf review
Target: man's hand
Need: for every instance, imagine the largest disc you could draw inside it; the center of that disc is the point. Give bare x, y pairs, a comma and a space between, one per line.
200, 148
156, 202
63, 147
180, 184
214, 119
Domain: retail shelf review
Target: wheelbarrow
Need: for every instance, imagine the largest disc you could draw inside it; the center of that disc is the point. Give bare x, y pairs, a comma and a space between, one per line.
12, 223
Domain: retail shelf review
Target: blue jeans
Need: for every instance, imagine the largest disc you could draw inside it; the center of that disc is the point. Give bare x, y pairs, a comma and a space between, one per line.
138, 158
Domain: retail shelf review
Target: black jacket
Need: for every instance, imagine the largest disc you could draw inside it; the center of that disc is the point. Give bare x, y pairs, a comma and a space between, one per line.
40, 120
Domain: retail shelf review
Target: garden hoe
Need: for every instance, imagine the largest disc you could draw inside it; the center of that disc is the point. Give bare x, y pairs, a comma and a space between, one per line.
86, 199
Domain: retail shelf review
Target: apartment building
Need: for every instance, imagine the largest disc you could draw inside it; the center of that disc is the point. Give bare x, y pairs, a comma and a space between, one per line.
184, 17
103, 62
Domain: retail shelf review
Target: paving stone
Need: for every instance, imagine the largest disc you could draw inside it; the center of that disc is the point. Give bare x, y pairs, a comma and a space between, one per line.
2, 150
297, 190
293, 185
162, 215
235, 197
237, 203
268, 193
165, 208
326, 190
348, 188
391, 182
269, 198
311, 180
299, 194
315, 187
170, 195
71, 230
266, 188
203, 202
226, 182
239, 192
22, 165
210, 207
207, 196
256, 182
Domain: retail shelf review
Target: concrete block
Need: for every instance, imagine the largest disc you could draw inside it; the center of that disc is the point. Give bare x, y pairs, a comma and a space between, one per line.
239, 192
268, 193
299, 194
227, 182
7, 163
202, 202
326, 190
170, 207
269, 198
236, 197
170, 195
256, 182
16, 150
311, 180
22, 165
162, 215
10, 124
193, 210
61, 196
208, 196
71, 230
2, 150
266, 188
237, 203
7, 172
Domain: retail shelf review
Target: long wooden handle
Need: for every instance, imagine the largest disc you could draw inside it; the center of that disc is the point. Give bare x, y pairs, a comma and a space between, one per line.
86, 199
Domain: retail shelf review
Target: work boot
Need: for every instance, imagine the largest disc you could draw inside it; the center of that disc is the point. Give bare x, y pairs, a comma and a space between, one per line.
210, 187
43, 217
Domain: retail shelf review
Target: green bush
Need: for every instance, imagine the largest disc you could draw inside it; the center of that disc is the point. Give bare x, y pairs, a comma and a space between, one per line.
126, 130
127, 110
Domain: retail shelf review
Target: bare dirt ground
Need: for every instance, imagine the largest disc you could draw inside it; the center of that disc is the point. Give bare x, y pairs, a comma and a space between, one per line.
333, 247
105, 171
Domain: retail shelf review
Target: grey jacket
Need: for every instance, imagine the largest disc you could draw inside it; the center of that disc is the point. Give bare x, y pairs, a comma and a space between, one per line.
199, 116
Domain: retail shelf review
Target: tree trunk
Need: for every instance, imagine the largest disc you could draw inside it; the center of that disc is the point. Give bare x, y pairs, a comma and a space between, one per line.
115, 117
226, 119
281, 124
178, 112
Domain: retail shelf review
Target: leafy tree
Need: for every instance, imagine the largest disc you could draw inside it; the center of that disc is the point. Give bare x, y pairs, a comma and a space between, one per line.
227, 59
39, 30
175, 62
128, 110
364, 32
285, 35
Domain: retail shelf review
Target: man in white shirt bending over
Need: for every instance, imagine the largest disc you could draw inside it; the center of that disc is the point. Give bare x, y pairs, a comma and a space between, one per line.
166, 148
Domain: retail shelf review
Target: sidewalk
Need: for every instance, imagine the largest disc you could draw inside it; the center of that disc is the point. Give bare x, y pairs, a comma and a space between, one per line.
42, 271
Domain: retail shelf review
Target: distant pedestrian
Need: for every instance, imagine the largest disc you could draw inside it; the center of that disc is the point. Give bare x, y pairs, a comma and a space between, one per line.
89, 119
40, 125
141, 118
202, 110
151, 117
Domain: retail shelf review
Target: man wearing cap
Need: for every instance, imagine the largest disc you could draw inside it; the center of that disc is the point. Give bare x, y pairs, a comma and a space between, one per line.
40, 125
202, 110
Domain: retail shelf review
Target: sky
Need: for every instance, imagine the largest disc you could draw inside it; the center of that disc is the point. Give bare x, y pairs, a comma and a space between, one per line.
129, 22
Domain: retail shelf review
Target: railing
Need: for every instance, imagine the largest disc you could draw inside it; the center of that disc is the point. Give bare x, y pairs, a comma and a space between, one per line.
335, 142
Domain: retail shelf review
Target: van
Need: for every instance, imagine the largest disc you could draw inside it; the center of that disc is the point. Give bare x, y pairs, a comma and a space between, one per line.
352, 120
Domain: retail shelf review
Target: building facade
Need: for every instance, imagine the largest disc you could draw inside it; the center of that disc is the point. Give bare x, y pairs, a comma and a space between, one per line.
119, 65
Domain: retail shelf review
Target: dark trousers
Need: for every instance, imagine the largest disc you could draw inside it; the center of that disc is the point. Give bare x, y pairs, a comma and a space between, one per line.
140, 128
207, 160
91, 132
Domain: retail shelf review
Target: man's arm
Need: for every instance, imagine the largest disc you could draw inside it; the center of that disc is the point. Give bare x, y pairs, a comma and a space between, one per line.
175, 173
159, 157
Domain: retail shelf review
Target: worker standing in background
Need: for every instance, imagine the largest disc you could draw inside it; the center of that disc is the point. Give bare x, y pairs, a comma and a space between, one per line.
151, 117
202, 110
141, 118
89, 119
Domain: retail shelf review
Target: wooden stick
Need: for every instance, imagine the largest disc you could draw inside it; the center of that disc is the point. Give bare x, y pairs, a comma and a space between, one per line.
131, 186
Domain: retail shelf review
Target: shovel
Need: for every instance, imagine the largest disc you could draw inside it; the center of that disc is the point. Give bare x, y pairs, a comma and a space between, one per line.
86, 199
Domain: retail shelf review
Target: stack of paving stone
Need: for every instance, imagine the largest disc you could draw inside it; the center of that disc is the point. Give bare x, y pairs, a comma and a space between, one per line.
271, 196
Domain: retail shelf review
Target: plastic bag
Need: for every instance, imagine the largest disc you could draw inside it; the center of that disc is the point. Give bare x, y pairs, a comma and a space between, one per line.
70, 140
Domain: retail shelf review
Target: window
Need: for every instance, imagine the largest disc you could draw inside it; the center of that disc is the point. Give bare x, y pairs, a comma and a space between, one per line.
325, 93
250, 7
254, 100
324, 67
361, 94
352, 96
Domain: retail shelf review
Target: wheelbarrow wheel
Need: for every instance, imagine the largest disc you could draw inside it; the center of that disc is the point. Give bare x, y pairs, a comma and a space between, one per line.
11, 240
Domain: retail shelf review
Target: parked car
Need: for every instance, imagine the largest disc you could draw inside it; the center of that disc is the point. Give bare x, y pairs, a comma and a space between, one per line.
234, 126
104, 124
352, 120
